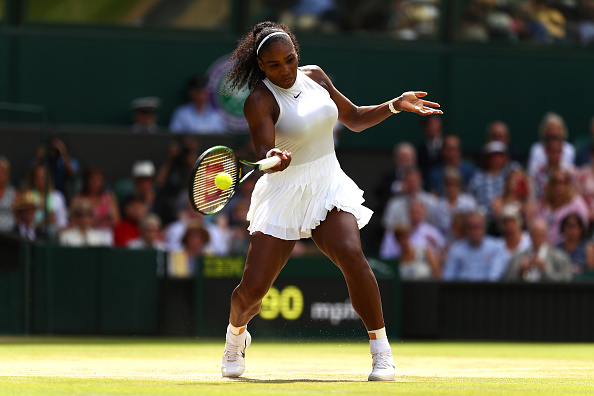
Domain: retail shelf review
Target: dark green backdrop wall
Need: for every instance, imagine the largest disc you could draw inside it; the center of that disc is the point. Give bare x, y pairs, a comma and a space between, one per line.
88, 76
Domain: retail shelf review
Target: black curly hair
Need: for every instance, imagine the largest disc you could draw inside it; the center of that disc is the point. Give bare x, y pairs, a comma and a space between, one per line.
245, 70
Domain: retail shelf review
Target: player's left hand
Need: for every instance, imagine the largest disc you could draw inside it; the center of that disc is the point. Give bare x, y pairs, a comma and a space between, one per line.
411, 101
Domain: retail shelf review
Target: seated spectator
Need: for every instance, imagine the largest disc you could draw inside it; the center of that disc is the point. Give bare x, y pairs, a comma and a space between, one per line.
397, 207
218, 239
221, 234
422, 234
452, 158
150, 238
585, 184
584, 155
182, 263
454, 201
24, 216
404, 156
552, 127
517, 192
553, 150
542, 262
514, 240
7, 196
64, 169
142, 182
55, 202
429, 152
560, 200
575, 244
106, 213
199, 115
498, 131
487, 183
81, 231
133, 210
144, 114
241, 236
415, 263
472, 258
172, 178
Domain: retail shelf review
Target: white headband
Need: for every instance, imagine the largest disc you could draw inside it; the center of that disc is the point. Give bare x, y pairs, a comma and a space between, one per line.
267, 37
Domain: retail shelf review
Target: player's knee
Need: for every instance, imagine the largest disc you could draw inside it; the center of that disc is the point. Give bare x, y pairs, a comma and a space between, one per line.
351, 256
251, 293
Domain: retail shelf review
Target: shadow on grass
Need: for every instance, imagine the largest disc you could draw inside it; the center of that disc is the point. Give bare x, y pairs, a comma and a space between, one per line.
290, 381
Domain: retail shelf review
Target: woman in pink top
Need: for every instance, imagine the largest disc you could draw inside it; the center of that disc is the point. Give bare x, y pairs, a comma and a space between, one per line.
559, 201
106, 213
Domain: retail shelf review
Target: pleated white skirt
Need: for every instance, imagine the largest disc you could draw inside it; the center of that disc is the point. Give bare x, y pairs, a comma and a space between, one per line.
290, 204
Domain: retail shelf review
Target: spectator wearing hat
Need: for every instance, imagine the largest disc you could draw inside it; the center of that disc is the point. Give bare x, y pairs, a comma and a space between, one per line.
499, 131
199, 115
182, 263
81, 231
7, 196
150, 234
141, 182
144, 114
24, 215
552, 127
488, 183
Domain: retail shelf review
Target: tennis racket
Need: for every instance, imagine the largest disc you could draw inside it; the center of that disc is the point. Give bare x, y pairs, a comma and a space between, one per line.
205, 196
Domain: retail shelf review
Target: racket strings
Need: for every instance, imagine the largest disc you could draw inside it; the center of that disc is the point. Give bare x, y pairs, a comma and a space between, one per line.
208, 198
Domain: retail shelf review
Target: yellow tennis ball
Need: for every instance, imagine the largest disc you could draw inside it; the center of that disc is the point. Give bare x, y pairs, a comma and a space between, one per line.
223, 181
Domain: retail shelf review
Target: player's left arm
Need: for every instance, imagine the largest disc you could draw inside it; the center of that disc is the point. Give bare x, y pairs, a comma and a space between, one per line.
358, 118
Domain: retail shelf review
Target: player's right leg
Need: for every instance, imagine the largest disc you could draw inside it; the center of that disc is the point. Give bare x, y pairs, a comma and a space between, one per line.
266, 257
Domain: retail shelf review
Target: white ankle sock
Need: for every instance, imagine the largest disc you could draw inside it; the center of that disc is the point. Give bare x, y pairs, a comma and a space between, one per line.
236, 330
378, 341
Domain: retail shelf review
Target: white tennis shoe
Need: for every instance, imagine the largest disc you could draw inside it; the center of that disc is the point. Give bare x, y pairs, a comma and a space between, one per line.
233, 364
383, 367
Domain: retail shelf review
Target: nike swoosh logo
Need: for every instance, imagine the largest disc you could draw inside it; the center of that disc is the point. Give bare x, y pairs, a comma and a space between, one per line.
296, 96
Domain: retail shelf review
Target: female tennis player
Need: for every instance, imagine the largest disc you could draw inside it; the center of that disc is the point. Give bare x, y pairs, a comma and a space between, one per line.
291, 112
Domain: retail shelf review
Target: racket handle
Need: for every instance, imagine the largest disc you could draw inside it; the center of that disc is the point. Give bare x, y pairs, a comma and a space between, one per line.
267, 163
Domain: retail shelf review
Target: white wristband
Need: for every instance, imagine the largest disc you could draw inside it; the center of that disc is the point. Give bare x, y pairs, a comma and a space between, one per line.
392, 109
274, 150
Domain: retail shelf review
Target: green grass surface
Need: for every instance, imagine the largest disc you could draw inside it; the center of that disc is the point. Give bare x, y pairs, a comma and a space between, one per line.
103, 366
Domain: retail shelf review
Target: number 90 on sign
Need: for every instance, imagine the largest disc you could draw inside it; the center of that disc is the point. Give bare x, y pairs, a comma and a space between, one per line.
288, 303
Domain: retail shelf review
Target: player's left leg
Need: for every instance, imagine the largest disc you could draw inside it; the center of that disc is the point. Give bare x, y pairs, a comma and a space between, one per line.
338, 238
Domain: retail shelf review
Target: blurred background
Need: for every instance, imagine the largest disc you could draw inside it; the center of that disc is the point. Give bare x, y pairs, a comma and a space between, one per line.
106, 104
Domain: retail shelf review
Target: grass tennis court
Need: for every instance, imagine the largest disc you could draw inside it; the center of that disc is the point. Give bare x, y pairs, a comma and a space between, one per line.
105, 366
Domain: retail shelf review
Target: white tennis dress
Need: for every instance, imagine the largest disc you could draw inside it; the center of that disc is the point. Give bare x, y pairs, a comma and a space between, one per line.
290, 204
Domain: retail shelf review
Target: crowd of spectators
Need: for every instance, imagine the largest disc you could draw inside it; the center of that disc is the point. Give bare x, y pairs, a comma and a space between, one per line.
538, 21
501, 217
445, 213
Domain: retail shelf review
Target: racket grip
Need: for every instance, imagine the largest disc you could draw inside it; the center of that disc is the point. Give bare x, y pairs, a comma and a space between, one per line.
267, 163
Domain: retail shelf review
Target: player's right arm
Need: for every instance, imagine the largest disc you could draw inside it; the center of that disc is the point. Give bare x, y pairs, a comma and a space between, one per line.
261, 110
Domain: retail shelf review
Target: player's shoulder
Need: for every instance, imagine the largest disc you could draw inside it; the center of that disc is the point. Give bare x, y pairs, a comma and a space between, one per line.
314, 72
261, 95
